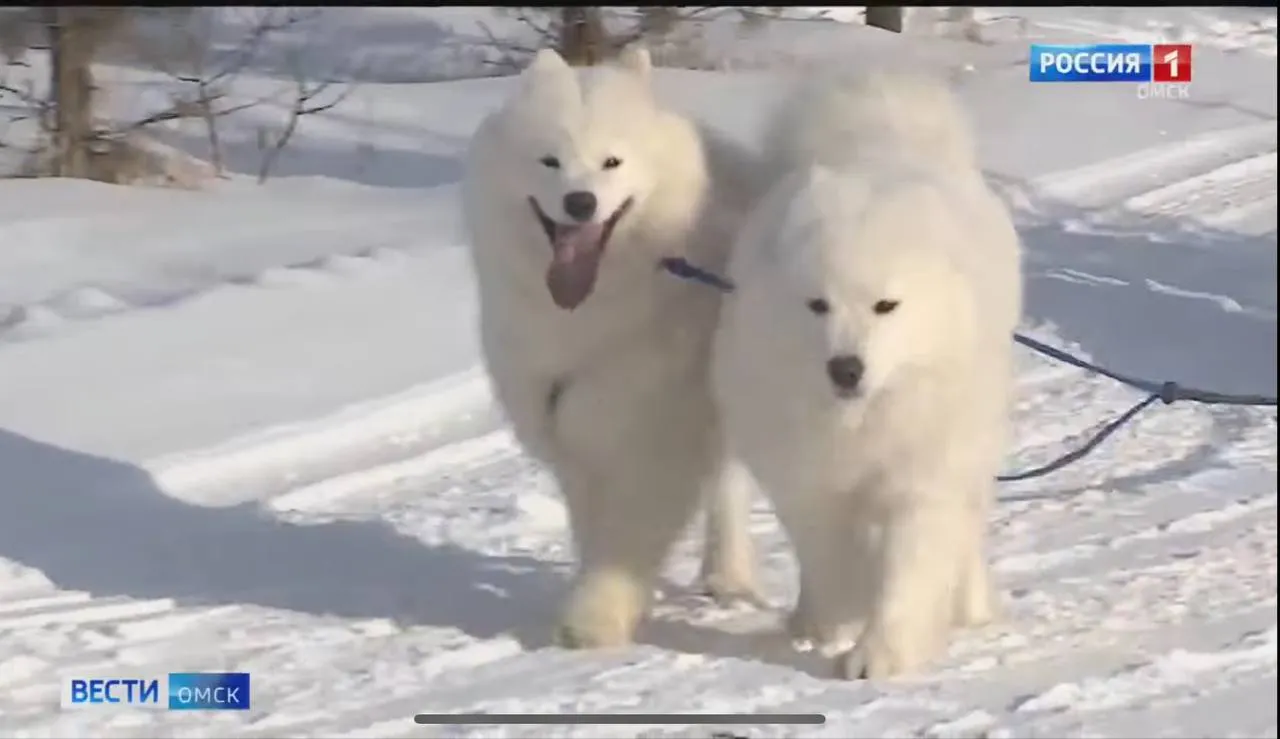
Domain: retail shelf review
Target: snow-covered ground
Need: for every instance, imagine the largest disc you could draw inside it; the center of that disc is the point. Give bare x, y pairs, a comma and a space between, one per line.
247, 429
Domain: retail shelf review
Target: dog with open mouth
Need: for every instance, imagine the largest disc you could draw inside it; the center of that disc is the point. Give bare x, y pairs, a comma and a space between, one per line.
573, 191
576, 250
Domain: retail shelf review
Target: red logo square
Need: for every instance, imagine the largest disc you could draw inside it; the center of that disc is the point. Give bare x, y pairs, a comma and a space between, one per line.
1171, 63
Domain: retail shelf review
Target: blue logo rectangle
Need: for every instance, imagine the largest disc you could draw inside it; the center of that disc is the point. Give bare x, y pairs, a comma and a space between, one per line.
1090, 63
208, 691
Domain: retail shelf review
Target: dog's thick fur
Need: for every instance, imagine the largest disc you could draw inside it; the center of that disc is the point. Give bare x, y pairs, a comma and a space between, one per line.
603, 370
881, 213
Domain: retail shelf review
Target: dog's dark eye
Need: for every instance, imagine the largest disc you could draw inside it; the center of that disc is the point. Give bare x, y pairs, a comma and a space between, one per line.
550, 162
819, 307
612, 163
884, 306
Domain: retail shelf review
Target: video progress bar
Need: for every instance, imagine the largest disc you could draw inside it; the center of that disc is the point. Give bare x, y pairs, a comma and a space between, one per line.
620, 719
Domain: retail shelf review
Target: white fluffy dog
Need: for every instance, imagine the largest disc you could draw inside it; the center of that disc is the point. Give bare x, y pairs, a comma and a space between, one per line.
573, 191
863, 366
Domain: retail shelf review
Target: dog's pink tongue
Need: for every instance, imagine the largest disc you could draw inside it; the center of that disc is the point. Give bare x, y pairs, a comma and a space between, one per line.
574, 263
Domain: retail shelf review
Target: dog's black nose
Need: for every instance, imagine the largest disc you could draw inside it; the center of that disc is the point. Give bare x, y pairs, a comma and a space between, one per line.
580, 205
845, 371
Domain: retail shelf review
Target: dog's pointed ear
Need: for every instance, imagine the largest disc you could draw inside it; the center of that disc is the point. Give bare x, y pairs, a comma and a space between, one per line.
636, 58
546, 61
548, 75
547, 64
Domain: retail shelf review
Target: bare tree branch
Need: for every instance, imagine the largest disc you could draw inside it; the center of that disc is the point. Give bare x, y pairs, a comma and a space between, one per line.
185, 45
308, 99
509, 51
206, 78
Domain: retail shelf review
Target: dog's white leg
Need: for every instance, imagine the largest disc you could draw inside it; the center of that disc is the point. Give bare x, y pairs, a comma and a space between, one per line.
603, 606
627, 522
923, 554
728, 556
977, 602
855, 568
830, 558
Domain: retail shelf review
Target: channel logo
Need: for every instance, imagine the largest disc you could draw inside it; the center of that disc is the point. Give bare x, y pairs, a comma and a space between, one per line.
1164, 63
176, 691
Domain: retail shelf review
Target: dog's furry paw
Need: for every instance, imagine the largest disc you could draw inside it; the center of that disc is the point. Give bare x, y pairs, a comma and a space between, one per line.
732, 591
807, 636
881, 654
602, 612
808, 632
595, 635
566, 636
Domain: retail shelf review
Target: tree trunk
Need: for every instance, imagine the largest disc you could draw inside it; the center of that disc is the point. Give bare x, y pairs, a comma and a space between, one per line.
75, 35
582, 36
888, 17
71, 88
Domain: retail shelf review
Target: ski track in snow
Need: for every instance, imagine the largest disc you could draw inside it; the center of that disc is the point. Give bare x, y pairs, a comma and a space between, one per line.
90, 302
1125, 576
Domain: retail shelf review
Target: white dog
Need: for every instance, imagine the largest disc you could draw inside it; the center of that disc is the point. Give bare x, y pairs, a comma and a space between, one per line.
863, 366
573, 192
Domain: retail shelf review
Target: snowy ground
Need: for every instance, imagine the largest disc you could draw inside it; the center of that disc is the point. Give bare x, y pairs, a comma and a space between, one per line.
247, 430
